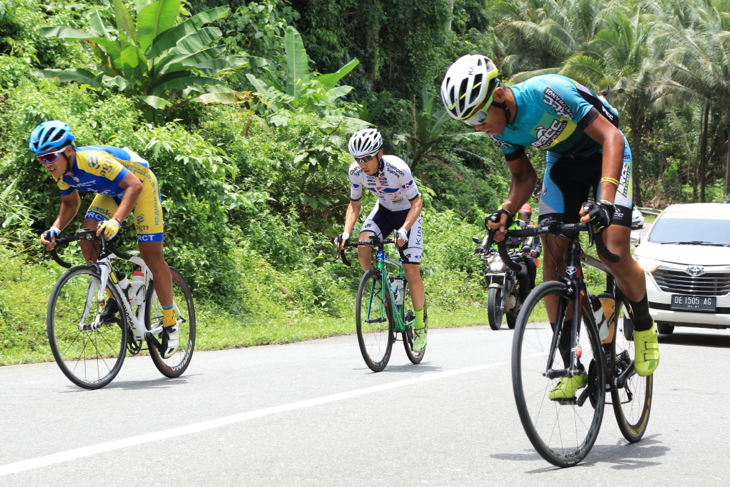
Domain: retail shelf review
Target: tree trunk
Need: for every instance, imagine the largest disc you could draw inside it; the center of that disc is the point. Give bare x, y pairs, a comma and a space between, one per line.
451, 7
703, 151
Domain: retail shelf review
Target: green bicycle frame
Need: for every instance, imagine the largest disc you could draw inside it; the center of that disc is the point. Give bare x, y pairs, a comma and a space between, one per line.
381, 261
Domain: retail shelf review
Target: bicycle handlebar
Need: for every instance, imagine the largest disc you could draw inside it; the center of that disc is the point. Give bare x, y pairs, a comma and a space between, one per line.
554, 229
373, 242
84, 234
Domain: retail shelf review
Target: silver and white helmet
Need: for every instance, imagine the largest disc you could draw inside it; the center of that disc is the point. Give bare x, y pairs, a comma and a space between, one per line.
468, 82
365, 142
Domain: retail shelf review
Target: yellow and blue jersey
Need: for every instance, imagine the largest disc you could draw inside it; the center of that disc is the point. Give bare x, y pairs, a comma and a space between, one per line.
100, 169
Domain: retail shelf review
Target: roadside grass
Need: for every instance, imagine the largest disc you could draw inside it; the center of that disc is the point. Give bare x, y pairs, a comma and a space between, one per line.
25, 288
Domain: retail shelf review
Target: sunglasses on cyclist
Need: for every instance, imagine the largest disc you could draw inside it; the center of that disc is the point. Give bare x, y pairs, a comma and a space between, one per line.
50, 157
481, 116
364, 159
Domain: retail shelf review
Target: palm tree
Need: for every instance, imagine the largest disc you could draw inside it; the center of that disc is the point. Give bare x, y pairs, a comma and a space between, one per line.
617, 64
537, 36
696, 62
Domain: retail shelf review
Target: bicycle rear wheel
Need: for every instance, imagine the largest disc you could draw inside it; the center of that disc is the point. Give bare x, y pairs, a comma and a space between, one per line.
374, 321
632, 401
410, 316
562, 431
175, 365
89, 354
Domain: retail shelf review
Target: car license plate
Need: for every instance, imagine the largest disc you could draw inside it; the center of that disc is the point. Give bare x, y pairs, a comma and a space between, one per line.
693, 303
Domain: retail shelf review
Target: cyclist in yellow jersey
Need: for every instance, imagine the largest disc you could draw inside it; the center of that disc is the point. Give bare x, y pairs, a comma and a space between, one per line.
123, 183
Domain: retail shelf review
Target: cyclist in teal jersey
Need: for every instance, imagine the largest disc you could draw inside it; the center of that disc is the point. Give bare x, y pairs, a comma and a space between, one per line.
123, 182
585, 151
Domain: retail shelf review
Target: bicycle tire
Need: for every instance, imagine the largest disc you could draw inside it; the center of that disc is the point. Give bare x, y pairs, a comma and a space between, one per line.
407, 335
561, 432
374, 321
494, 308
90, 358
632, 402
178, 362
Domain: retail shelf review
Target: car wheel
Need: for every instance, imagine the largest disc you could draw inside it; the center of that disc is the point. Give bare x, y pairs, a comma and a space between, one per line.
664, 328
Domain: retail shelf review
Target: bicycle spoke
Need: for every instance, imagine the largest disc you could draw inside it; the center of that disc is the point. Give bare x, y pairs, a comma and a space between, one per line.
374, 322
632, 402
90, 358
177, 363
561, 429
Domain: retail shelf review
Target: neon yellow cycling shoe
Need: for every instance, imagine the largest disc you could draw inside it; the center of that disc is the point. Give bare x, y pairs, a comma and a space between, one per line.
420, 338
567, 386
647, 351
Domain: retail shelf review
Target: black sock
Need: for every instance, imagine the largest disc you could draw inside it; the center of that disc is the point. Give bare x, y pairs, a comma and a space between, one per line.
642, 318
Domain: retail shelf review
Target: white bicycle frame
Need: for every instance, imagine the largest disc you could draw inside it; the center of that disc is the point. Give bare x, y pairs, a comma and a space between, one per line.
96, 295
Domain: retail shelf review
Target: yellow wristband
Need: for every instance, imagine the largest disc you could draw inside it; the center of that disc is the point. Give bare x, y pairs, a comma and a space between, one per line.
610, 180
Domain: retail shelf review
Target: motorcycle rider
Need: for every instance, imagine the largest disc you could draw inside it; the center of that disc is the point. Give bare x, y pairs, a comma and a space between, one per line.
531, 247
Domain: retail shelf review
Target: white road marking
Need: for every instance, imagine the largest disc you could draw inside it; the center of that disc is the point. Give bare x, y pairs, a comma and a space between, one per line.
87, 451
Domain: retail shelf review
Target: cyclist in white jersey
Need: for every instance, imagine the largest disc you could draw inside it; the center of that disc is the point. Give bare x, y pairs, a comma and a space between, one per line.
398, 209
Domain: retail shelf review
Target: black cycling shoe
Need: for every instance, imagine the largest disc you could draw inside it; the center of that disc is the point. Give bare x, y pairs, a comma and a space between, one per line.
109, 313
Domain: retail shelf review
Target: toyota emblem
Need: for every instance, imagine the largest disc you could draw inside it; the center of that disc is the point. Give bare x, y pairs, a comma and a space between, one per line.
695, 270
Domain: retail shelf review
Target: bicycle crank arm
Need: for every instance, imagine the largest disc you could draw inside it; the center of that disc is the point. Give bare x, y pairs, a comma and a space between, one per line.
620, 380
376, 320
583, 396
153, 332
555, 373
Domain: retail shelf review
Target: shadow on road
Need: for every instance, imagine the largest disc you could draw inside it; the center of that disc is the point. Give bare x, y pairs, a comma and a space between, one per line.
718, 340
406, 369
623, 455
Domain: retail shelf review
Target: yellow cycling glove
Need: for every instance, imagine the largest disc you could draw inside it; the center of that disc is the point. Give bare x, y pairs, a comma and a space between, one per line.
110, 228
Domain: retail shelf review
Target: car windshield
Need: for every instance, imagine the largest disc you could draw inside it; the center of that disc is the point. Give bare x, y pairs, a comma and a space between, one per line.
690, 231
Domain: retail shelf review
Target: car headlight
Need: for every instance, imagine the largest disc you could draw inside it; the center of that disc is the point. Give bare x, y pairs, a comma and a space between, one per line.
649, 265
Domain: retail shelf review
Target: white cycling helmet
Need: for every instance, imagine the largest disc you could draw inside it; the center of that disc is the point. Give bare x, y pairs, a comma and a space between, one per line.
365, 142
468, 82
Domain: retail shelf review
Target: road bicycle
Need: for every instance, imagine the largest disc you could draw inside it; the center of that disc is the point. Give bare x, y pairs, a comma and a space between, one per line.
90, 348
563, 431
384, 308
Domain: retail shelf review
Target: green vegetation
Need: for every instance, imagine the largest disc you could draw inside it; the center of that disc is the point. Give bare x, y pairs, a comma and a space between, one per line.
244, 109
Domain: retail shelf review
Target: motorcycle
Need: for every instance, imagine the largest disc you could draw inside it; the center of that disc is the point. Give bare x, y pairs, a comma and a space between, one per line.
504, 294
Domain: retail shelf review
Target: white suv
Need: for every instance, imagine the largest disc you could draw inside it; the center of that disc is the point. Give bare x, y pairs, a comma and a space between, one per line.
686, 257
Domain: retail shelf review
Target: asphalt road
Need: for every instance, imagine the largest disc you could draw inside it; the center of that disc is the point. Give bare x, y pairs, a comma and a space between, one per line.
312, 414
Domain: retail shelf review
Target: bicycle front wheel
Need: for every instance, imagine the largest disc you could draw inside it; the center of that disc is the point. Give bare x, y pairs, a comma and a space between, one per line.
410, 318
632, 400
562, 430
90, 354
175, 365
495, 302
374, 321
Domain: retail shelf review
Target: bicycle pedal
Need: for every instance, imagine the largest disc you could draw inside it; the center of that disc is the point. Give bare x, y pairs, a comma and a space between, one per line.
571, 401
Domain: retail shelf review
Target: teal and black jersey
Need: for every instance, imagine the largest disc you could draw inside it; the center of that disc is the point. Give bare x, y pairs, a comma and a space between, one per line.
552, 113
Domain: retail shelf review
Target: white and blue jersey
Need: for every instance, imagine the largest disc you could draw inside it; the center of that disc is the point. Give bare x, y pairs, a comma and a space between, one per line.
394, 186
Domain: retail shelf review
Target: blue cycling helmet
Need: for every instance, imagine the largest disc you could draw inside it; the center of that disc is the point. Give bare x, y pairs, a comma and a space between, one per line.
50, 135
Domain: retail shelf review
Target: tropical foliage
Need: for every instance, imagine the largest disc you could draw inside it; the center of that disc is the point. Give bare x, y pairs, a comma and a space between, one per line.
155, 58
244, 109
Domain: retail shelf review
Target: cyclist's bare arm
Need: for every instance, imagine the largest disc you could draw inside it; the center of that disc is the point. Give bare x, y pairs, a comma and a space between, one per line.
520, 190
603, 132
353, 211
70, 204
